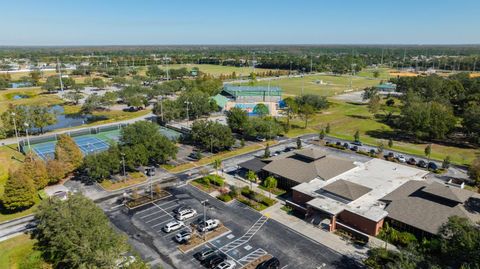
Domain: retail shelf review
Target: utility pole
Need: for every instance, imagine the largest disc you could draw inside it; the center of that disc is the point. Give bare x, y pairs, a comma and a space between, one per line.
60, 74
166, 65
188, 117
204, 203
123, 163
26, 131
15, 127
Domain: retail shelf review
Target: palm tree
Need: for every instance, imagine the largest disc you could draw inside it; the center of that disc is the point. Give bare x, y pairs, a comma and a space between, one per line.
270, 183
217, 164
251, 176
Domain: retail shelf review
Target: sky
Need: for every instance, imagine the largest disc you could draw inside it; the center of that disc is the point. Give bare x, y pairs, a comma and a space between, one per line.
160, 22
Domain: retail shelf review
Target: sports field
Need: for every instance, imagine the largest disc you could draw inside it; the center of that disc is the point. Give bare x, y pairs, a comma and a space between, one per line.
215, 70
325, 85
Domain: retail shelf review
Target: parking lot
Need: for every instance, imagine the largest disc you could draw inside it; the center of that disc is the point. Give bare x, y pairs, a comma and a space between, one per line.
251, 234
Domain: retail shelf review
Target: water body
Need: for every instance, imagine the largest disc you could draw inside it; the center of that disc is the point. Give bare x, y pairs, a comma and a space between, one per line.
64, 121
20, 96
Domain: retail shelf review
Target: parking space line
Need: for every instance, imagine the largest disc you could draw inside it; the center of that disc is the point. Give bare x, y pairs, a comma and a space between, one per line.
151, 214
284, 267
163, 210
159, 217
160, 223
213, 246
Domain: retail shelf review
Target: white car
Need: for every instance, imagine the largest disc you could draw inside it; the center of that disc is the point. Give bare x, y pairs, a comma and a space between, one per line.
209, 225
401, 158
228, 264
183, 236
173, 226
186, 214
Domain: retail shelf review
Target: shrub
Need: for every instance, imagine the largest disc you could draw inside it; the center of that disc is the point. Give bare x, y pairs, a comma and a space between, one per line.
246, 192
224, 197
245, 201
215, 180
268, 201
234, 192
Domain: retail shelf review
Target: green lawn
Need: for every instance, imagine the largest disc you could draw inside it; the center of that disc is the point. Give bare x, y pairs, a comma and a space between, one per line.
346, 118
214, 70
384, 73
19, 252
37, 97
325, 85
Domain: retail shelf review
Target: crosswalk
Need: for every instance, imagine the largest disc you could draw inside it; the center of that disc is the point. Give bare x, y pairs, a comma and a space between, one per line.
252, 256
247, 236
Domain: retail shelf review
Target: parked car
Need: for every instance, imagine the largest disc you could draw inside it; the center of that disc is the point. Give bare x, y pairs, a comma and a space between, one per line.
358, 143
354, 148
186, 214
193, 155
273, 263
287, 149
260, 139
181, 209
401, 158
345, 145
202, 255
214, 259
373, 151
422, 164
389, 156
228, 264
183, 236
209, 225
432, 166
173, 226
412, 161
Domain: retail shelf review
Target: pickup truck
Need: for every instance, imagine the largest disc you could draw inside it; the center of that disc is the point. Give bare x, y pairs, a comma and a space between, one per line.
209, 225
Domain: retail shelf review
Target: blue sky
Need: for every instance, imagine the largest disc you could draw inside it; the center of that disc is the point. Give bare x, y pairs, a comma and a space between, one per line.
121, 22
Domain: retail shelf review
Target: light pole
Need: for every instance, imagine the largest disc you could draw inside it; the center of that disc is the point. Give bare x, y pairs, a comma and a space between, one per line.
123, 163
204, 203
26, 131
188, 117
15, 127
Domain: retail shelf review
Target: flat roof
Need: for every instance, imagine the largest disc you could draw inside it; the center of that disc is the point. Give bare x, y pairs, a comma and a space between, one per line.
255, 164
381, 177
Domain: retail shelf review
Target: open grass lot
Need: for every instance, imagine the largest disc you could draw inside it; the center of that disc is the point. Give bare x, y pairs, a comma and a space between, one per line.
325, 85
36, 97
346, 118
384, 73
107, 116
133, 179
18, 75
213, 69
19, 252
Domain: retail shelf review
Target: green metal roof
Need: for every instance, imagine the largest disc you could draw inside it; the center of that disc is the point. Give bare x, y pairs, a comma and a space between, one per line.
252, 90
220, 99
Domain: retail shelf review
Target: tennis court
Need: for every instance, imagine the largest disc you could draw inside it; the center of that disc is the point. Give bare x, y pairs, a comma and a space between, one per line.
87, 144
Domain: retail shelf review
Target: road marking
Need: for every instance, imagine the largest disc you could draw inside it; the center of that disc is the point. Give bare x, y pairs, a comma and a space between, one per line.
247, 236
284, 267
163, 210
252, 256
159, 217
160, 223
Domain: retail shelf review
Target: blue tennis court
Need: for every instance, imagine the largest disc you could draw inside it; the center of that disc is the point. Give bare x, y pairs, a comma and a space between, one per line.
87, 144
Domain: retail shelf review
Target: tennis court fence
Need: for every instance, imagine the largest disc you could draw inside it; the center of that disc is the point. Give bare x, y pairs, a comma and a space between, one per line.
74, 133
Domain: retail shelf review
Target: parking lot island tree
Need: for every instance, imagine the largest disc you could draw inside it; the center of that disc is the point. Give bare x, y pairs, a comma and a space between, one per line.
63, 226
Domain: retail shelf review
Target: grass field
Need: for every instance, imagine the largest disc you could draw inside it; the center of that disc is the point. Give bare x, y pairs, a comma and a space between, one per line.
213, 69
325, 85
346, 118
384, 73
18, 75
36, 97
19, 252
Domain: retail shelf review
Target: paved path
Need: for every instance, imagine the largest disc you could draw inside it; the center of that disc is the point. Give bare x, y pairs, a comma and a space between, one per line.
12, 140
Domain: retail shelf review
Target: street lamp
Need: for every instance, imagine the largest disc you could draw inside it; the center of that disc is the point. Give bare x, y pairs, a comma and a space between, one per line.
204, 203
26, 131
188, 103
15, 127
123, 163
